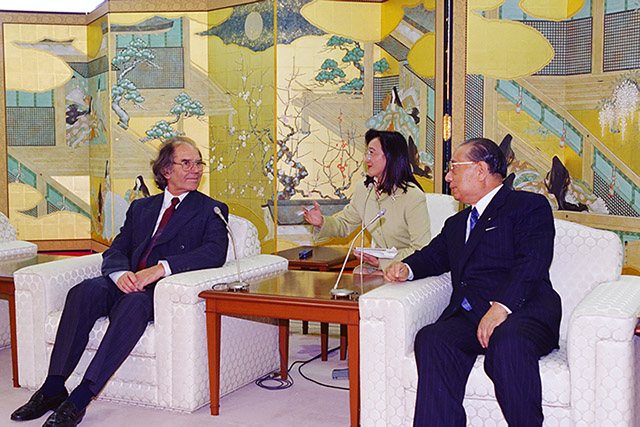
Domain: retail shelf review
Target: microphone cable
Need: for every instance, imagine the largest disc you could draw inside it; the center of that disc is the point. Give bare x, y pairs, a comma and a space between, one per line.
303, 363
280, 384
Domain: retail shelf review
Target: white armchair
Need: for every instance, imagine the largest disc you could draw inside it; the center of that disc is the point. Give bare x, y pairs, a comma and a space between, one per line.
168, 367
10, 248
592, 379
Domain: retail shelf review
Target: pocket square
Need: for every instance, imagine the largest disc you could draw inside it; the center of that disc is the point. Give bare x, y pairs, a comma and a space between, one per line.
490, 228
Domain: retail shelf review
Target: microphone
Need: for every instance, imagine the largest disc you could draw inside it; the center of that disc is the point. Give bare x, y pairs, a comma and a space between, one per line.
239, 285
340, 292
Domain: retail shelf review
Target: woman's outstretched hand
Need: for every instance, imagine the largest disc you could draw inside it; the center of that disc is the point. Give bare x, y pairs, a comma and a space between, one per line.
313, 216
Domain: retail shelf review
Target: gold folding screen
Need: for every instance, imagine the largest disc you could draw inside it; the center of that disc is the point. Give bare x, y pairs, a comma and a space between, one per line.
561, 79
278, 95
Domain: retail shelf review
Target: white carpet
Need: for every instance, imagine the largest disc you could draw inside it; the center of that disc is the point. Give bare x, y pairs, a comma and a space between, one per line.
303, 405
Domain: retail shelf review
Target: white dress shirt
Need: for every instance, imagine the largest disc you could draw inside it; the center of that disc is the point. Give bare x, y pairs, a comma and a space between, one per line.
166, 203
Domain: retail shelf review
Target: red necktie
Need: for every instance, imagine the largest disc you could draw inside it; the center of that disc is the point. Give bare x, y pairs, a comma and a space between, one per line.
166, 216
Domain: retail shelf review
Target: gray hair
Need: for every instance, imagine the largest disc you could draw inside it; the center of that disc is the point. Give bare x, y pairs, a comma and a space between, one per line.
165, 158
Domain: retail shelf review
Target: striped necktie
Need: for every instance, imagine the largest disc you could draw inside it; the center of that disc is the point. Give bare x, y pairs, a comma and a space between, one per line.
473, 219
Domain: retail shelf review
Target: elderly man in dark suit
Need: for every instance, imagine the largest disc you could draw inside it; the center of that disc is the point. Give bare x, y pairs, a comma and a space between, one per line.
169, 233
498, 251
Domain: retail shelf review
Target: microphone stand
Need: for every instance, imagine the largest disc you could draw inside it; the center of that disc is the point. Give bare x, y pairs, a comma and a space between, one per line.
239, 285
341, 292
364, 211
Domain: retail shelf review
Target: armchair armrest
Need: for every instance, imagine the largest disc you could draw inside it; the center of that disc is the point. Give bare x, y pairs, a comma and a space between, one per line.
390, 318
10, 249
40, 290
181, 328
602, 354
184, 288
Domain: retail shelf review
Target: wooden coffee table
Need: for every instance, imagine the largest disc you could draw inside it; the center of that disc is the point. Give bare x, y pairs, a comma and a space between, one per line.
7, 289
300, 295
323, 258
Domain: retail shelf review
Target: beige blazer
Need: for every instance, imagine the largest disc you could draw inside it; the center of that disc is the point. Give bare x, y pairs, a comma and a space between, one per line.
404, 226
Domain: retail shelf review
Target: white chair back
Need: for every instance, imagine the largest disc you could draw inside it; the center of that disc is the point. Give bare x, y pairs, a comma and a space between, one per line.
7, 231
246, 235
440, 207
583, 257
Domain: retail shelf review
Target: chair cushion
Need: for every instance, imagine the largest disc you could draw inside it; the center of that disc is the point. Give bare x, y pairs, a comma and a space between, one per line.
138, 373
146, 347
554, 373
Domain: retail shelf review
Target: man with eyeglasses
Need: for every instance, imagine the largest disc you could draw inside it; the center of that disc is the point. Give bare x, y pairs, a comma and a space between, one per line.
498, 251
172, 232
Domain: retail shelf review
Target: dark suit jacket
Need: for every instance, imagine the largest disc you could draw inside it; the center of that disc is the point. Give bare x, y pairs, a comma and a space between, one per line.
194, 238
506, 258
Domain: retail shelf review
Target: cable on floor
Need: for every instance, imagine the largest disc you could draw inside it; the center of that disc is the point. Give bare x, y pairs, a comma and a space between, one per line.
267, 381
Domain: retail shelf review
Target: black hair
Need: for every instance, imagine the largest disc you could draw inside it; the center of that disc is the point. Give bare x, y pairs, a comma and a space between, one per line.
397, 171
164, 161
485, 150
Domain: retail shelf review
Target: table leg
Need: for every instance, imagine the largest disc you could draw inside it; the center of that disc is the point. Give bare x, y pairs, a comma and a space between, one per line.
343, 342
213, 346
14, 340
354, 373
324, 341
283, 330
305, 327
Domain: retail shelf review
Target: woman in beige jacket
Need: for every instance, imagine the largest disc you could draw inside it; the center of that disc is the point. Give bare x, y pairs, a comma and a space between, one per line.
389, 185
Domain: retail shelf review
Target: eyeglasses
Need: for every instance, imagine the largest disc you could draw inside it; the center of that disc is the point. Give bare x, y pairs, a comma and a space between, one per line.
452, 165
187, 165
369, 154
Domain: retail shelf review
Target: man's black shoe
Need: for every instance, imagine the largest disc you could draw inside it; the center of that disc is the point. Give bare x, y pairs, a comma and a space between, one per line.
38, 405
66, 415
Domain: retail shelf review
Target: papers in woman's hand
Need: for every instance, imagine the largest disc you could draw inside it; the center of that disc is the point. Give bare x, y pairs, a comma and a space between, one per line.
379, 252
